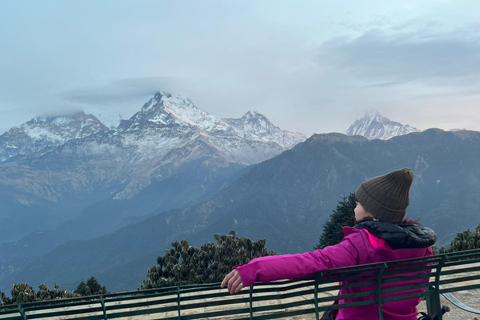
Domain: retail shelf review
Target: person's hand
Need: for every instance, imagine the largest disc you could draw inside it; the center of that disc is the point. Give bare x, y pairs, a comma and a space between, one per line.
233, 281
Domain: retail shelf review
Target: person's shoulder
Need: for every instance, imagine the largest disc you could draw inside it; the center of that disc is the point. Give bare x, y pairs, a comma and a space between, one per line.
356, 237
354, 241
348, 231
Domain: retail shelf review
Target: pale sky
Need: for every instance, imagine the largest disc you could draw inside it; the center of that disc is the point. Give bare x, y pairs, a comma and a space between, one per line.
309, 66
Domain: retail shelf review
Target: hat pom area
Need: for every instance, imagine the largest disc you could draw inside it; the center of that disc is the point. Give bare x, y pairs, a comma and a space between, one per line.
386, 197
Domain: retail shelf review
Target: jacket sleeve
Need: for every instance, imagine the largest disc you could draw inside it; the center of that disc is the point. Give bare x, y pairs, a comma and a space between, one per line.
303, 265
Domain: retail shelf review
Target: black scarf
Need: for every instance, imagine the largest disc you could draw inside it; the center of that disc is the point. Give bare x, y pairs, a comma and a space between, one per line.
400, 236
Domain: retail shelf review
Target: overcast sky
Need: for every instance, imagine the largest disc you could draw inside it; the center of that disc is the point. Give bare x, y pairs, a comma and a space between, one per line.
309, 66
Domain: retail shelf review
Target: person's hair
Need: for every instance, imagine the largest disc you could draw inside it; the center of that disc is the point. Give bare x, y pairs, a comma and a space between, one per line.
410, 221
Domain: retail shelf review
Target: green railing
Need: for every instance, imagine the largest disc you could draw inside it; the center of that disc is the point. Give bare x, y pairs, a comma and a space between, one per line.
384, 282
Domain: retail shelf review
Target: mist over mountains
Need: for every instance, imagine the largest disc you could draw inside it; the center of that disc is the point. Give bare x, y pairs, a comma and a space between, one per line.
117, 198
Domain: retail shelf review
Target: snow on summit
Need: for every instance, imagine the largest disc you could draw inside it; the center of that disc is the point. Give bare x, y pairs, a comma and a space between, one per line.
164, 109
255, 126
374, 126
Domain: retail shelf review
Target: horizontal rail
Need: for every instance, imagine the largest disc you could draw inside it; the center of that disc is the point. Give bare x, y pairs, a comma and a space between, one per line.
382, 282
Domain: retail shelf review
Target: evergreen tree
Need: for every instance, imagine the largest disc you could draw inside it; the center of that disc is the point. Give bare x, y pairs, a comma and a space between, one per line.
4, 299
90, 288
22, 292
44, 293
342, 216
185, 264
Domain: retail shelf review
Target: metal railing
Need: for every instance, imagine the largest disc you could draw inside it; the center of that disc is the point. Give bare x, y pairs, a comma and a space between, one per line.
424, 278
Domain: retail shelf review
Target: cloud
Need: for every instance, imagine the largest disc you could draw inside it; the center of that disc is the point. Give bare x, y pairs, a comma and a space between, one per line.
435, 59
125, 90
382, 85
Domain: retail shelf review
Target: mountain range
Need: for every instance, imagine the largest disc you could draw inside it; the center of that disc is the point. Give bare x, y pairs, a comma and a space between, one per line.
54, 168
286, 200
70, 177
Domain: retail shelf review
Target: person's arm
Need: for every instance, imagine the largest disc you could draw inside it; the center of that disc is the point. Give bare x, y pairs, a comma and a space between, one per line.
294, 266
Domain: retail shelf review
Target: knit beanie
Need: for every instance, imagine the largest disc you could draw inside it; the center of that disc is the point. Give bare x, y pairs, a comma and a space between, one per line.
386, 197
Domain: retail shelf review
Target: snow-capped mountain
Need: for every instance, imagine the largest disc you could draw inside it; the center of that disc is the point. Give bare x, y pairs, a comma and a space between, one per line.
175, 121
374, 126
171, 131
46, 132
167, 132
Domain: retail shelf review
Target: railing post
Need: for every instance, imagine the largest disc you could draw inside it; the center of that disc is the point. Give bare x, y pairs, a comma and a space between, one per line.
315, 297
178, 302
103, 307
250, 289
22, 312
433, 301
379, 290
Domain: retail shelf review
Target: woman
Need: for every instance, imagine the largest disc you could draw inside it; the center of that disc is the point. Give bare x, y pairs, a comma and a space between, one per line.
381, 234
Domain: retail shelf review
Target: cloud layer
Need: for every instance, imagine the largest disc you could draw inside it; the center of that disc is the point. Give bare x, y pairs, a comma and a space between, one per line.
437, 59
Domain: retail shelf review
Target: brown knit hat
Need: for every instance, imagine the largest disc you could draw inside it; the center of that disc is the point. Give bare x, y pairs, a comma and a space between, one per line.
386, 197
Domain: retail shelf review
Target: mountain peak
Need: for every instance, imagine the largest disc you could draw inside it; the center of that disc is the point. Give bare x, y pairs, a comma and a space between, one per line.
257, 127
164, 109
60, 128
257, 121
59, 120
158, 96
253, 114
375, 126
372, 114
252, 125
163, 103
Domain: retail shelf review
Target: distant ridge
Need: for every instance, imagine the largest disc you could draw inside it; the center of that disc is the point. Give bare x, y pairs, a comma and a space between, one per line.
375, 126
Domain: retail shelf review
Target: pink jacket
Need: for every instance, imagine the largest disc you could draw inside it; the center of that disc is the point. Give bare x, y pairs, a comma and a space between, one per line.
359, 246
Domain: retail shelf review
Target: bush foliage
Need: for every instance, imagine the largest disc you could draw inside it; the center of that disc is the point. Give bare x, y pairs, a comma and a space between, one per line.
22, 292
185, 264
